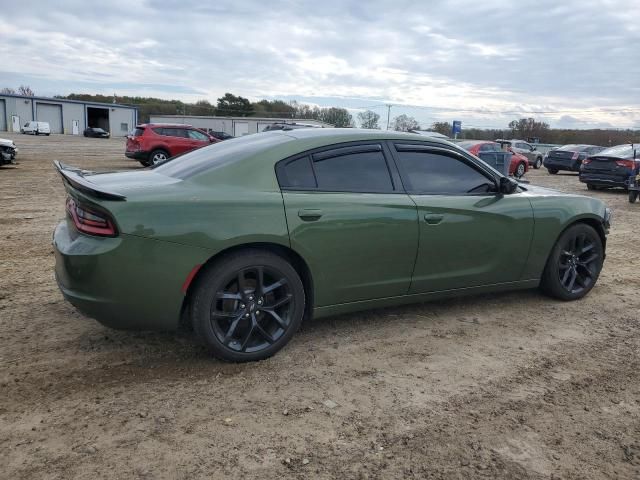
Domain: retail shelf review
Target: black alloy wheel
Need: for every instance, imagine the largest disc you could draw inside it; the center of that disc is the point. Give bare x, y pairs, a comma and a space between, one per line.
248, 306
574, 264
252, 310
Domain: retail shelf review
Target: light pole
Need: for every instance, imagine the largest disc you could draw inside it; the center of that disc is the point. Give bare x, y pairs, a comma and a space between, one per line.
388, 114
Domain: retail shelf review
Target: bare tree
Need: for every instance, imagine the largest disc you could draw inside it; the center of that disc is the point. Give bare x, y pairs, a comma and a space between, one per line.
25, 90
8, 90
369, 119
404, 123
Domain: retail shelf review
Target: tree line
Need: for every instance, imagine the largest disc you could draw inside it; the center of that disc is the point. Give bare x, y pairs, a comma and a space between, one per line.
231, 105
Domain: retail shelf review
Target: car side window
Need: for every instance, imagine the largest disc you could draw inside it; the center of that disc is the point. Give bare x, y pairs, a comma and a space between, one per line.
353, 168
196, 135
486, 147
359, 171
297, 174
438, 173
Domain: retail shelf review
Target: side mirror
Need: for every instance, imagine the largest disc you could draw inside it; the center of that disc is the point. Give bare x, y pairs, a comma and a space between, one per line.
507, 185
533, 149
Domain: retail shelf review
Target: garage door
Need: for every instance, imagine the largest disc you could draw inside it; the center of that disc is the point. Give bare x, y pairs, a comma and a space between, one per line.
3, 115
49, 112
240, 129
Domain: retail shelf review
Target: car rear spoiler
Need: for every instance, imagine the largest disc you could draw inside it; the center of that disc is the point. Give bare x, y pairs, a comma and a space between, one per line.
75, 177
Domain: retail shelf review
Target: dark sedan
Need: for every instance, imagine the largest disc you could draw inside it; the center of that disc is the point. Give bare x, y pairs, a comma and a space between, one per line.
96, 132
611, 167
569, 157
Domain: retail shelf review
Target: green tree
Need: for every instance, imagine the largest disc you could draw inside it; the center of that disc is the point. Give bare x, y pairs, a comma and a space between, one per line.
404, 123
338, 117
369, 119
443, 128
231, 105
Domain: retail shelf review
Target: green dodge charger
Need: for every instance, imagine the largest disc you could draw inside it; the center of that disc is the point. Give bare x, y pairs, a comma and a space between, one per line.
245, 238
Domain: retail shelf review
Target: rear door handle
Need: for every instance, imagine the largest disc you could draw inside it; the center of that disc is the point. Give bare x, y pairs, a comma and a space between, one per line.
309, 214
433, 218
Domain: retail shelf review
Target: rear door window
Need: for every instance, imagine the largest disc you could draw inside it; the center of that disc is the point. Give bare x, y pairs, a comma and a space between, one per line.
352, 168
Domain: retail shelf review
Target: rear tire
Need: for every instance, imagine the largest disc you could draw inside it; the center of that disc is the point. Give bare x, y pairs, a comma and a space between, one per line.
552, 171
574, 264
157, 156
247, 305
633, 196
538, 163
591, 186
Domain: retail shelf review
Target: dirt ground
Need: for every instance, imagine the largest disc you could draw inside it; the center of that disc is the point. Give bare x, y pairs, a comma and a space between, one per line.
511, 386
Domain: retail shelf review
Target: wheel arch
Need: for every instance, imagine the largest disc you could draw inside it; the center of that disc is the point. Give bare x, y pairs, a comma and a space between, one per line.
594, 222
288, 254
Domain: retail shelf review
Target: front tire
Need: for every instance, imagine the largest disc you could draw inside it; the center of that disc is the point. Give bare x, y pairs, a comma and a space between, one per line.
633, 196
574, 265
538, 163
247, 305
552, 171
520, 170
591, 186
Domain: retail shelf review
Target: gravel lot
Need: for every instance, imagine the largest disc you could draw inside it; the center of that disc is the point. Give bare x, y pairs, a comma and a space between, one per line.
511, 386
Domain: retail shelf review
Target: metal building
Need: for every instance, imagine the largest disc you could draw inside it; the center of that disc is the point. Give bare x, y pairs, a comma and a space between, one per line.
236, 126
66, 116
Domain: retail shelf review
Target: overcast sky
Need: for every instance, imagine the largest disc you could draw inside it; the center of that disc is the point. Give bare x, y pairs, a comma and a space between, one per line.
573, 63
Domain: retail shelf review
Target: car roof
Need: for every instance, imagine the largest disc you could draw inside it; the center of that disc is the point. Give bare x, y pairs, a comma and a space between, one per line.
328, 136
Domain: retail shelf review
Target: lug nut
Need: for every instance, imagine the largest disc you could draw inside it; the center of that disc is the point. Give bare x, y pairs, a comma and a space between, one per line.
257, 312
242, 305
246, 315
260, 302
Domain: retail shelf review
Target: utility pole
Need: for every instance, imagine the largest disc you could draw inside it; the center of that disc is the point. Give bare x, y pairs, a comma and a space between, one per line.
388, 114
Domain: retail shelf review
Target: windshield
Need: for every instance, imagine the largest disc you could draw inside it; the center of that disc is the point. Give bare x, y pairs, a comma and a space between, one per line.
219, 154
620, 151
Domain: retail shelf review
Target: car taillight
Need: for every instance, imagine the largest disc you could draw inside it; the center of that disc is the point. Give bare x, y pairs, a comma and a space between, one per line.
90, 221
586, 161
625, 163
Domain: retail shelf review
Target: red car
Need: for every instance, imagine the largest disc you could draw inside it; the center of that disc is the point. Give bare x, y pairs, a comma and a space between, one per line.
153, 143
519, 163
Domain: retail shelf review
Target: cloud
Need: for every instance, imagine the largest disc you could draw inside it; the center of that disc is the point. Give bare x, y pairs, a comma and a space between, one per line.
483, 62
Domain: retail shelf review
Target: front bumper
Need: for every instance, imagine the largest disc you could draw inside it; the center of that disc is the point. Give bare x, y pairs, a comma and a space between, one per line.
125, 282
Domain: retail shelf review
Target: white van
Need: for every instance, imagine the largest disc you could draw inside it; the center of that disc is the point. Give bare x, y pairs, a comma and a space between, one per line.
36, 128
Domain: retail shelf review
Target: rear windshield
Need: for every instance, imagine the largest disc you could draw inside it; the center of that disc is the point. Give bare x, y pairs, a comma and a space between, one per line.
138, 131
620, 151
219, 154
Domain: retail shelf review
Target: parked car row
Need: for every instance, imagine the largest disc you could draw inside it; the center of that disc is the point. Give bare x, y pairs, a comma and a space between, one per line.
521, 147
487, 151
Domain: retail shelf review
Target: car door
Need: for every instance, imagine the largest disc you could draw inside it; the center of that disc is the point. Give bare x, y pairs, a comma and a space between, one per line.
179, 141
350, 219
469, 234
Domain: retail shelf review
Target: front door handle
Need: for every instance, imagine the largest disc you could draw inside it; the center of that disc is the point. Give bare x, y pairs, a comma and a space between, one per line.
433, 218
309, 214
